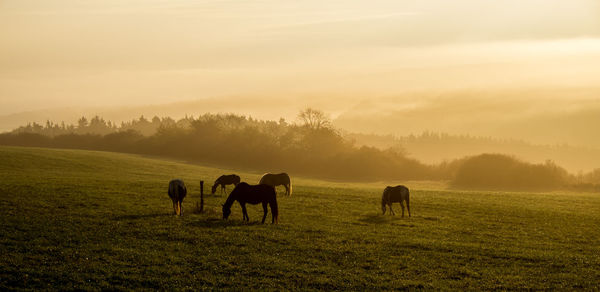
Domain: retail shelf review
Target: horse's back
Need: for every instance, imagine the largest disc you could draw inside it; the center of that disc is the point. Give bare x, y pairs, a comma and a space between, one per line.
255, 194
397, 193
266, 190
228, 179
177, 189
262, 192
233, 179
284, 178
240, 188
275, 179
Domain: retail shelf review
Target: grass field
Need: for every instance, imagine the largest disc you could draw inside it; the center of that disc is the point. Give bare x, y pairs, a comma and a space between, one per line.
91, 220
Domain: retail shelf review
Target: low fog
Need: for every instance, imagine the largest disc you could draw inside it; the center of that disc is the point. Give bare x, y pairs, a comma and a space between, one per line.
524, 70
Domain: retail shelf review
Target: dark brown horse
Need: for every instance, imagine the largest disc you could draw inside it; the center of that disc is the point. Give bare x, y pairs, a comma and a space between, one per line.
393, 195
224, 180
177, 192
245, 193
277, 180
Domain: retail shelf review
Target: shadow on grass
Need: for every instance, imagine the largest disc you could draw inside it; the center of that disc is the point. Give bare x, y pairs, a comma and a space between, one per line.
208, 218
380, 219
220, 223
375, 219
140, 216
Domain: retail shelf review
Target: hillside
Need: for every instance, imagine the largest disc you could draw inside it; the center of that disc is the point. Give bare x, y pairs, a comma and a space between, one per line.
76, 219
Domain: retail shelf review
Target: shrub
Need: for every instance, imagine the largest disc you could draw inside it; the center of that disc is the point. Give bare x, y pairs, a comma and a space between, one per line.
497, 171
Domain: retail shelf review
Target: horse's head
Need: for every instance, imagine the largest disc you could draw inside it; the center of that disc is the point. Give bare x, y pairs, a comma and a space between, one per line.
384, 199
226, 212
214, 189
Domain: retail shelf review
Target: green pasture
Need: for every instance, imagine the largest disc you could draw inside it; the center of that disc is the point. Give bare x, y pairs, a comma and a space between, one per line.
75, 219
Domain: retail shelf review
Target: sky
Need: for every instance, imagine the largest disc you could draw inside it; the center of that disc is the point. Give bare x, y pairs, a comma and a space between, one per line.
350, 58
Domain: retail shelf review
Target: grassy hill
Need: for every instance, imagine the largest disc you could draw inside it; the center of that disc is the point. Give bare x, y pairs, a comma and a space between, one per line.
84, 220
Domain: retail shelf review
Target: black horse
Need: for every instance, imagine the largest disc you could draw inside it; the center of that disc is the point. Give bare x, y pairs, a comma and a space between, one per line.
224, 180
177, 192
395, 194
245, 193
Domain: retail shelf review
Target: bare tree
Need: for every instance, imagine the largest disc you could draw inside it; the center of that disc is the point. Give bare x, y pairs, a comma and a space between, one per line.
314, 119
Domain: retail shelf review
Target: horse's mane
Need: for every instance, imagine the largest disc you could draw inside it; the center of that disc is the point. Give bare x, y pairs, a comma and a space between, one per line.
234, 194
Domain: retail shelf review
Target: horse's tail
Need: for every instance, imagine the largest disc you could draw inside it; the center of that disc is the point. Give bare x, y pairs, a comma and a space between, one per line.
275, 210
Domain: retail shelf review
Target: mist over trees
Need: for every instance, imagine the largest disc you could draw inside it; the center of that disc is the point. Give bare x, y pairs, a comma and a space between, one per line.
433, 147
312, 147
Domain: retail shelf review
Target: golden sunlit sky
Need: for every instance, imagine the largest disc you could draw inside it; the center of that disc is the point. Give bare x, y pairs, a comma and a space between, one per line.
285, 55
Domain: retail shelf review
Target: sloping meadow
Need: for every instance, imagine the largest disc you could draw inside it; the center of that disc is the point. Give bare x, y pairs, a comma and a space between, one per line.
76, 219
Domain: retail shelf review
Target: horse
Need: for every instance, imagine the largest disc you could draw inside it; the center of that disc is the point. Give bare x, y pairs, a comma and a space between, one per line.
177, 192
395, 194
277, 180
224, 180
245, 193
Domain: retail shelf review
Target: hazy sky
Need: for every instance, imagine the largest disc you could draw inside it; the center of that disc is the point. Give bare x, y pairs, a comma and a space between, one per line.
123, 52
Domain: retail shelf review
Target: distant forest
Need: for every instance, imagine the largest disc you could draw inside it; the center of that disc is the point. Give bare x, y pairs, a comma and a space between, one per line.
312, 148
432, 147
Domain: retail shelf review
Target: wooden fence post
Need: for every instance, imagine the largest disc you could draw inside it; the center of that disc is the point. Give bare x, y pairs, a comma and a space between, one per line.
201, 196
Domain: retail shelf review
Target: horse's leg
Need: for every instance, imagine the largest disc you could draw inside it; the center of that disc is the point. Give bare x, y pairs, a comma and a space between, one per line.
391, 210
402, 204
245, 212
287, 190
181, 208
175, 207
408, 206
266, 211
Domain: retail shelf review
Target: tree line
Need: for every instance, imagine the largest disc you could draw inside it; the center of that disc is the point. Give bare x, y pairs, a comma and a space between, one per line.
312, 147
99, 126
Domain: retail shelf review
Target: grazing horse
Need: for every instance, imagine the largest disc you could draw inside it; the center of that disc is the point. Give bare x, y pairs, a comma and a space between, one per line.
395, 194
245, 193
224, 180
177, 192
277, 180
